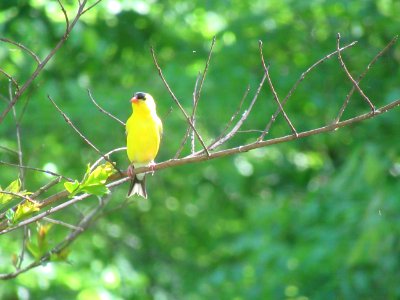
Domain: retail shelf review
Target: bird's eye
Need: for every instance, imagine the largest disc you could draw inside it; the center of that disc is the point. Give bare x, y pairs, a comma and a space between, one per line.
140, 96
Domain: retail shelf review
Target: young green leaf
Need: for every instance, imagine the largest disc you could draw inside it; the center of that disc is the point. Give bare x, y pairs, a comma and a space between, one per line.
39, 246
92, 182
13, 187
24, 210
72, 187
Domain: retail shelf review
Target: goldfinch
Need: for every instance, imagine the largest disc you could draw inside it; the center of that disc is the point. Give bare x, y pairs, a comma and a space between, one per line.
143, 135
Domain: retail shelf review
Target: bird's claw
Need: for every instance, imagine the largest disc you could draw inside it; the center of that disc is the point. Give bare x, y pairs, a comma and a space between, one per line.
151, 166
130, 170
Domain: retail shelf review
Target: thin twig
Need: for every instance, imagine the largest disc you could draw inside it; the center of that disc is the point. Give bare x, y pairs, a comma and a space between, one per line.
19, 144
8, 150
35, 169
23, 250
17, 195
239, 124
177, 102
23, 48
355, 84
203, 77
69, 122
65, 16
296, 84
24, 107
233, 117
192, 117
46, 187
97, 162
196, 97
58, 222
361, 77
197, 92
10, 78
43, 63
90, 7
266, 70
103, 110
250, 131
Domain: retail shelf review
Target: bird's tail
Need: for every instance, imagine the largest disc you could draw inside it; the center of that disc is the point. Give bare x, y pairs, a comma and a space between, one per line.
138, 187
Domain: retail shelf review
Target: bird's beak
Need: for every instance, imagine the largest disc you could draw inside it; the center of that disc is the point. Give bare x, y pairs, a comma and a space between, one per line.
134, 100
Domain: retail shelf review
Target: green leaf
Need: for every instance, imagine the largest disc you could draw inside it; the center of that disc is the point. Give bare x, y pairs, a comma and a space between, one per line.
72, 187
98, 190
39, 245
99, 175
13, 187
92, 182
25, 209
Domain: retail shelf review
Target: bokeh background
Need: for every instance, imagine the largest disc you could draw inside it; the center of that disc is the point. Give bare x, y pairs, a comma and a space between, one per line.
317, 218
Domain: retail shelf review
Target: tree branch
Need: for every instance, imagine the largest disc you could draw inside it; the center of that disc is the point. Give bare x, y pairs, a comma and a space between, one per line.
373, 61
177, 101
350, 77
43, 63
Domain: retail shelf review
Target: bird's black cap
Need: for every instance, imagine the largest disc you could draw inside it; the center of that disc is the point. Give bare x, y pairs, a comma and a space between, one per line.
140, 96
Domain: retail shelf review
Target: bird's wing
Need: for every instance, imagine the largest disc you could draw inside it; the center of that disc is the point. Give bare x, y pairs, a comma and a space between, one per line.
160, 127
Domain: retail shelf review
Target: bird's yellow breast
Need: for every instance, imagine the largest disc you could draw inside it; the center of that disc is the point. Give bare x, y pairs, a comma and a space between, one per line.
143, 136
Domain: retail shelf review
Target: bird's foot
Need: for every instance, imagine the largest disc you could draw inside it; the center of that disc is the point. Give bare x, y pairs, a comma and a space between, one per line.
151, 166
130, 171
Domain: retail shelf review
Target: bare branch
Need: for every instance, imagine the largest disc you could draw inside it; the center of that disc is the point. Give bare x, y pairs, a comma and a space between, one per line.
8, 150
58, 222
10, 78
68, 120
373, 61
292, 90
97, 162
103, 110
19, 144
43, 63
23, 48
233, 116
229, 135
65, 16
203, 77
23, 250
274, 92
196, 96
177, 102
17, 195
46, 187
90, 7
192, 117
35, 169
355, 84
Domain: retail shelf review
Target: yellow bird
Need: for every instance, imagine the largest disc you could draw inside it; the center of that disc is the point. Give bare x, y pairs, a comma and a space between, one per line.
143, 135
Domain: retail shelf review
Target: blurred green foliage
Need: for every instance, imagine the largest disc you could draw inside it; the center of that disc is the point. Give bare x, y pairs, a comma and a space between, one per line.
316, 218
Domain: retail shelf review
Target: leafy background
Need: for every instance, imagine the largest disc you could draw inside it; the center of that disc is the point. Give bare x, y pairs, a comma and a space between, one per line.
316, 218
